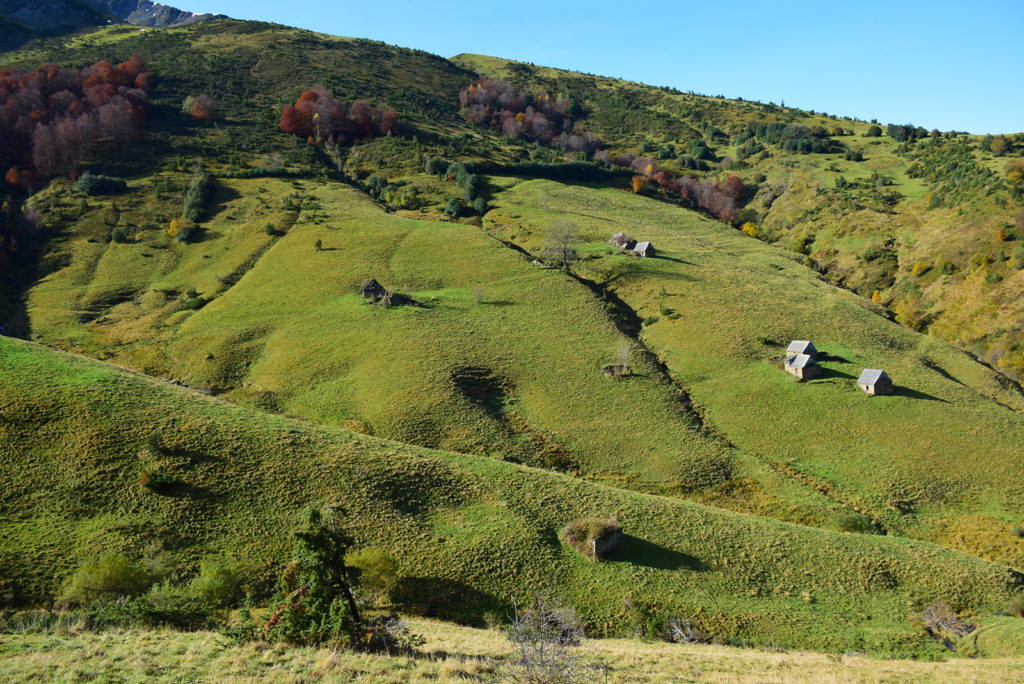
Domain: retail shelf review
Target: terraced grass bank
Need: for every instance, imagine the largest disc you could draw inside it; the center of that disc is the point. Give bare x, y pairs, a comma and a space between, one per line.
451, 654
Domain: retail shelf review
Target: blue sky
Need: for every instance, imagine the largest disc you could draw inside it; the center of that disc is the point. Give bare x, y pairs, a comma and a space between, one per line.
946, 65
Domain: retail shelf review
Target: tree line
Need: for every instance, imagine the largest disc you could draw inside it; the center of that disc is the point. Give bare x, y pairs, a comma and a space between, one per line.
52, 118
536, 117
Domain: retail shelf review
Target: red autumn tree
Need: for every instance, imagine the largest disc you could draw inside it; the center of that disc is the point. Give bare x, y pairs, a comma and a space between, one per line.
67, 113
204, 108
317, 115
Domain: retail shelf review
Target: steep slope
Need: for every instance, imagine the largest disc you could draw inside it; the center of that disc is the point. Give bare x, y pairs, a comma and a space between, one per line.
75, 435
26, 20
928, 223
937, 460
517, 375
504, 358
147, 13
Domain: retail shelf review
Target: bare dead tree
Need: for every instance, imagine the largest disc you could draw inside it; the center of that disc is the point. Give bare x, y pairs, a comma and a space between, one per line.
623, 353
940, 620
681, 631
563, 236
545, 637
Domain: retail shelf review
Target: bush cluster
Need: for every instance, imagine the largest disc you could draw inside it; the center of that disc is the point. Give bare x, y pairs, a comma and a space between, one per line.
199, 187
98, 184
465, 180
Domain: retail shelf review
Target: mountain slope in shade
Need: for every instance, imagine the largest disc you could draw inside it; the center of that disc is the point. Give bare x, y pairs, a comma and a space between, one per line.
146, 13
25, 20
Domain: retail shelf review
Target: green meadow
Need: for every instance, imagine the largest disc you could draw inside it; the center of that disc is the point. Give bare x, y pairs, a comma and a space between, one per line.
470, 533
462, 433
936, 460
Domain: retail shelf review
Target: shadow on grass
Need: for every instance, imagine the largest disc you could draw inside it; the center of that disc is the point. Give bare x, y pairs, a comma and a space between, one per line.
638, 551
914, 394
830, 373
931, 365
447, 599
675, 259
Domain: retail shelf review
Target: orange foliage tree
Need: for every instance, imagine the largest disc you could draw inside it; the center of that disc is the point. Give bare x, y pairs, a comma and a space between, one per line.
318, 116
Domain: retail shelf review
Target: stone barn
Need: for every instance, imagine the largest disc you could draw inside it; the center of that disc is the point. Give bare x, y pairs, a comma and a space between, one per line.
374, 291
803, 367
874, 381
644, 249
622, 241
802, 347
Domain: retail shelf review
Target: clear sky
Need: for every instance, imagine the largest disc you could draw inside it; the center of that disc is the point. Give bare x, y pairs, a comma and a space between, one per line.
941, 64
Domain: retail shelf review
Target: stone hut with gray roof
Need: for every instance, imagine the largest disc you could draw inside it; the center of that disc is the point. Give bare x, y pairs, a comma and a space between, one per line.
874, 381
802, 347
644, 249
803, 367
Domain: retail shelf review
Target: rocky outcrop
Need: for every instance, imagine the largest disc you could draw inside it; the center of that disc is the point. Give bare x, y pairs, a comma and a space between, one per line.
146, 13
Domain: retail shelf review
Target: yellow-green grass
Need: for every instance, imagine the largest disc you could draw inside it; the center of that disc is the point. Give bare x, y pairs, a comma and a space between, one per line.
922, 462
469, 533
451, 653
294, 335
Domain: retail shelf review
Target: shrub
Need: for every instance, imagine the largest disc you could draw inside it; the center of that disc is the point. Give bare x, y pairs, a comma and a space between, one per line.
182, 229
203, 108
681, 631
435, 166
217, 582
118, 235
920, 268
163, 606
453, 207
199, 188
850, 521
377, 571
651, 320
315, 601
873, 132
192, 304
110, 576
98, 184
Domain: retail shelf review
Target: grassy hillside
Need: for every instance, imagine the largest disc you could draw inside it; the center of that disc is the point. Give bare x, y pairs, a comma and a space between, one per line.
469, 532
451, 654
517, 374
720, 309
928, 223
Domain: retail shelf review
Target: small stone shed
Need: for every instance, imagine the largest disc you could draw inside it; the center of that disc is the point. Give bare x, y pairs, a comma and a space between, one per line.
374, 291
874, 381
644, 249
803, 366
622, 241
802, 347
602, 546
